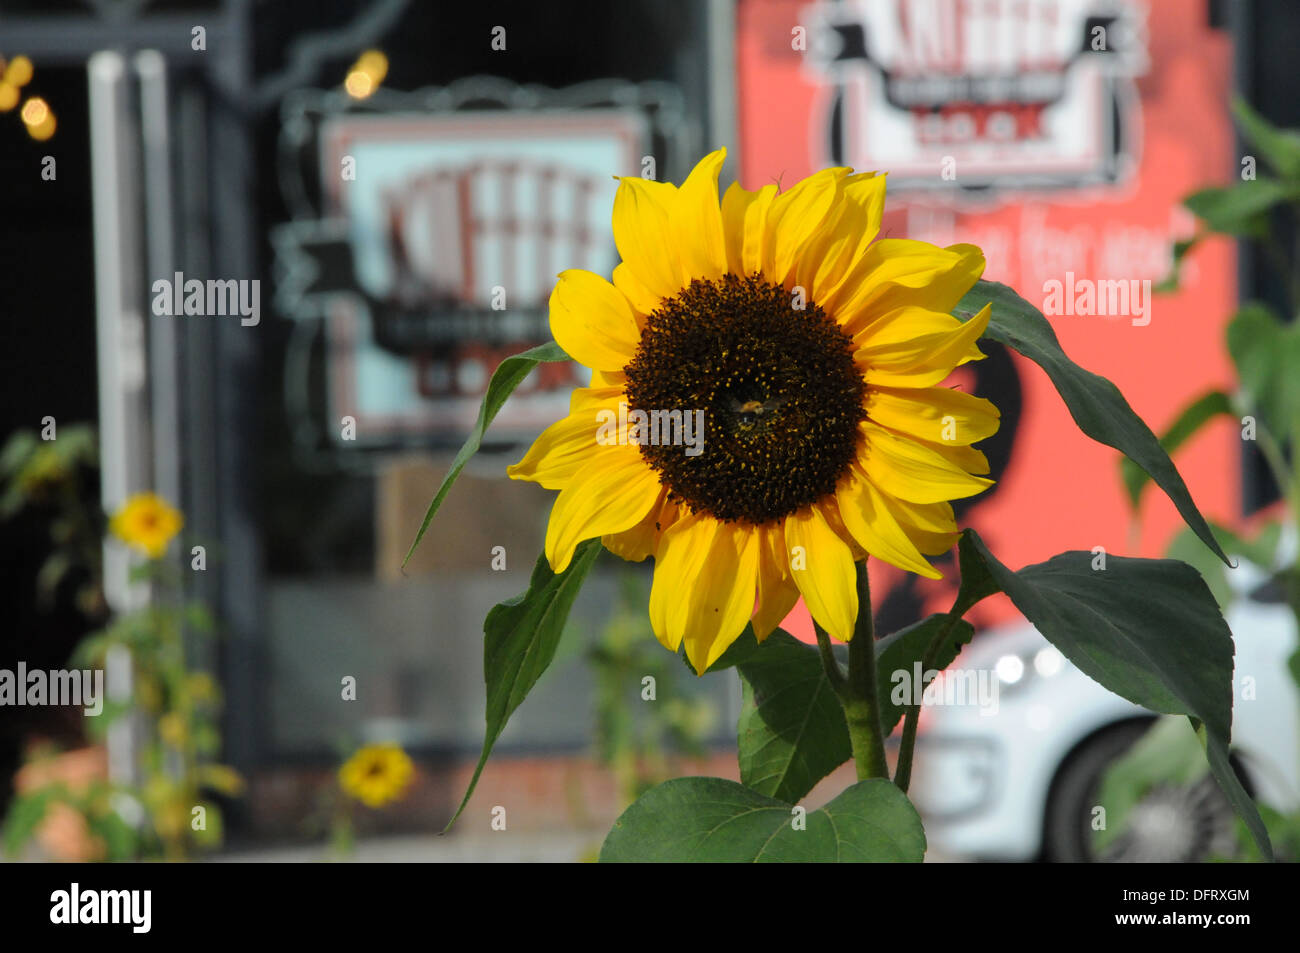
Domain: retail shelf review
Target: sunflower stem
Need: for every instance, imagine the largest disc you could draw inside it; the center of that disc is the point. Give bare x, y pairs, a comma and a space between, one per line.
834, 673
858, 693
912, 714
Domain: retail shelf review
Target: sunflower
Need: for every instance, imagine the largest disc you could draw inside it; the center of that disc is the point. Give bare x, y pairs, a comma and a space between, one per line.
376, 774
812, 356
147, 522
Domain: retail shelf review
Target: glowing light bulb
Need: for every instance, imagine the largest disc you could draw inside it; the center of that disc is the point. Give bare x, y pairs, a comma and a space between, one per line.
35, 111
359, 84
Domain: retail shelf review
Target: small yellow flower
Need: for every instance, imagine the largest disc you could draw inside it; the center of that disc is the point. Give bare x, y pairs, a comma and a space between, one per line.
377, 774
171, 728
148, 523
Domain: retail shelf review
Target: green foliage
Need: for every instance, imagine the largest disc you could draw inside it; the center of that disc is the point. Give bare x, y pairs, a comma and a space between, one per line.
709, 820
1194, 416
521, 635
55, 479
509, 375
792, 731
639, 738
1169, 753
912, 646
1241, 208
1147, 629
1280, 148
1266, 353
175, 707
1261, 550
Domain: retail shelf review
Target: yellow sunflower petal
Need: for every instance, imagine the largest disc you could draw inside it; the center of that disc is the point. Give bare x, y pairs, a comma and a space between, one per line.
735, 203
968, 458
866, 514
902, 325
931, 527
794, 218
593, 398
777, 593
592, 321
697, 222
642, 540
705, 576
612, 492
832, 254
776, 598
755, 238
908, 470
932, 517
821, 565
891, 358
944, 288
642, 221
898, 272
642, 300
565, 447
936, 414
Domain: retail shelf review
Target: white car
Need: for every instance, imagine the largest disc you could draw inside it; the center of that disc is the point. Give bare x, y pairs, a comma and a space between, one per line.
1017, 781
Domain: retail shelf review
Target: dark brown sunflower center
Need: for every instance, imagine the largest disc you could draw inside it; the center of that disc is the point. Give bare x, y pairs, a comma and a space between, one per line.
779, 394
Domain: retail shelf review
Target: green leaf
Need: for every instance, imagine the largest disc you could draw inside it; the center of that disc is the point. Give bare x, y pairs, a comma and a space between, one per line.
1240, 209
709, 820
1280, 148
17, 449
1148, 630
1182, 248
508, 375
902, 651
1095, 403
121, 839
521, 635
25, 815
792, 731
1193, 417
1267, 353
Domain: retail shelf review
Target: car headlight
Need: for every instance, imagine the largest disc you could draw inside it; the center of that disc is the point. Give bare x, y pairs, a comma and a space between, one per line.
1017, 669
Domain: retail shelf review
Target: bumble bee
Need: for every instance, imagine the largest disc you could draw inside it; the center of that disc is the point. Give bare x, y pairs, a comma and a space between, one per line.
750, 413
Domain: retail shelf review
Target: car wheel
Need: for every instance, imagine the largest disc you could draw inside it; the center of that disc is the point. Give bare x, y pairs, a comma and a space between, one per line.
1172, 823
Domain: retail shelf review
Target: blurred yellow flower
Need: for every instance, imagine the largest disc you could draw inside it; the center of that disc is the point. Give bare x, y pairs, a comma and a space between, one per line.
148, 523
377, 774
171, 728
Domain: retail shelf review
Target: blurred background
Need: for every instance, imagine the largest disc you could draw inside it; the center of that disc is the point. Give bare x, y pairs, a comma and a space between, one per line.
372, 198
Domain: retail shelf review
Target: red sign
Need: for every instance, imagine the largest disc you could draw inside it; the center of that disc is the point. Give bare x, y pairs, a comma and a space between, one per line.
1059, 136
